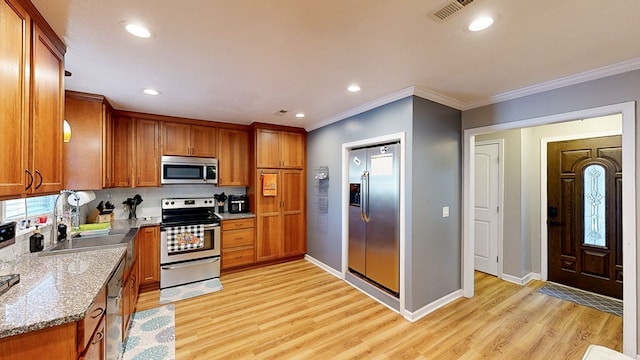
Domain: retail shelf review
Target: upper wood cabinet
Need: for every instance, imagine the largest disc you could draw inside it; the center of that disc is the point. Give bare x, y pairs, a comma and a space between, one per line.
279, 149
233, 157
147, 153
88, 156
31, 102
122, 128
189, 140
15, 32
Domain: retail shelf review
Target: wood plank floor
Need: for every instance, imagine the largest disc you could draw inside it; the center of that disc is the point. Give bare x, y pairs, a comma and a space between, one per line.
298, 311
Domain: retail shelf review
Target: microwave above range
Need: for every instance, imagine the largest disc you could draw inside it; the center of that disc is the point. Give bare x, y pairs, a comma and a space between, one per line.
188, 170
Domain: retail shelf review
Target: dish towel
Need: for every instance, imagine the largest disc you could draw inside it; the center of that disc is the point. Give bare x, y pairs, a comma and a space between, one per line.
269, 187
182, 238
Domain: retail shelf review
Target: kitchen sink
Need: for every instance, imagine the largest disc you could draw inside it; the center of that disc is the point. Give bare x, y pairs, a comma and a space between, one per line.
115, 238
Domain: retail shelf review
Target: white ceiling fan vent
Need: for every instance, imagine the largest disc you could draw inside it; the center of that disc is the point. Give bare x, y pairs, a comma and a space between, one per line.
447, 9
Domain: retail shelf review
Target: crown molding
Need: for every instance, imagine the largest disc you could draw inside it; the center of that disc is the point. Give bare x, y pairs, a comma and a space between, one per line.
598, 73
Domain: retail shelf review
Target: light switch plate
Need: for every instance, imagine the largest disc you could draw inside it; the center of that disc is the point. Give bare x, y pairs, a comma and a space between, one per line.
445, 211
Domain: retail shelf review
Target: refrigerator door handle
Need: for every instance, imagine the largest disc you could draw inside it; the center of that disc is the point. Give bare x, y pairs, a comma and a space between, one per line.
364, 206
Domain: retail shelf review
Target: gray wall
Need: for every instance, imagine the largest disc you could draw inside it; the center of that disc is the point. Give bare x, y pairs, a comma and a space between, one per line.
606, 91
433, 166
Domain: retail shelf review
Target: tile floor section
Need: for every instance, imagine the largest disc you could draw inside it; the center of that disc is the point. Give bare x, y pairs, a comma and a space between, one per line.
602, 303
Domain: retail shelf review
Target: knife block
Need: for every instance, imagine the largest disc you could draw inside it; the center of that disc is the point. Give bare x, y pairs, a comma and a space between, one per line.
95, 217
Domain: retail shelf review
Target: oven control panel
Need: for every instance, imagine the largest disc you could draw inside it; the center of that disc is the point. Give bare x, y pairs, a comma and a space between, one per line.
175, 203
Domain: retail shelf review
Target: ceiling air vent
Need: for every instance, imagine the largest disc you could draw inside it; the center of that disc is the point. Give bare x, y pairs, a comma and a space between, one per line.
447, 9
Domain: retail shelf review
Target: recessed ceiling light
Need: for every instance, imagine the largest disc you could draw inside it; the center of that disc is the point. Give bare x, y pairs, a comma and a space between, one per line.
353, 88
300, 115
480, 23
151, 92
137, 30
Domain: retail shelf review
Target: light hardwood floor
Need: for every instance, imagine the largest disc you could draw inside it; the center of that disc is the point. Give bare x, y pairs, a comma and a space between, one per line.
298, 311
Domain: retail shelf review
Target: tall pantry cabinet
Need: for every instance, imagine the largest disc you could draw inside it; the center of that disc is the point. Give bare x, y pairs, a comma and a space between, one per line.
278, 192
31, 102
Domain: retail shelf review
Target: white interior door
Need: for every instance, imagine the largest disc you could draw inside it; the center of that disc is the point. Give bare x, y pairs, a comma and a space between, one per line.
487, 201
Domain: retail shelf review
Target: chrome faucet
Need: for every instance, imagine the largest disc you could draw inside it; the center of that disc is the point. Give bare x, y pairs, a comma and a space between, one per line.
75, 218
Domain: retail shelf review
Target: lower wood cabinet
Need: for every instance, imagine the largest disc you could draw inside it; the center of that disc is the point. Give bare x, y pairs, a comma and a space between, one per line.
238, 242
97, 344
149, 257
130, 293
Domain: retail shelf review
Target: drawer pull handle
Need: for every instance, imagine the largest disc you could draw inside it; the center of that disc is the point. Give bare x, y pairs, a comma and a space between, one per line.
97, 312
99, 337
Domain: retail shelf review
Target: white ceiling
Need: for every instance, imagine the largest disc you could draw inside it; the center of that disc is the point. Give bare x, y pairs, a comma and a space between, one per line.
241, 61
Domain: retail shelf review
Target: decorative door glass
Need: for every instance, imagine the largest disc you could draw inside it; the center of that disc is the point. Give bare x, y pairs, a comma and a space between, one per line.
594, 205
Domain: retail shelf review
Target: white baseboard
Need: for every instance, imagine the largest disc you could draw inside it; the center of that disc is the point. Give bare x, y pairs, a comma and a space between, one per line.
523, 280
324, 267
429, 308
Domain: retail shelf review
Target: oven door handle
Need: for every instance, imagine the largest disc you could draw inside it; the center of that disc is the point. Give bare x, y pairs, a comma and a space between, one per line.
190, 263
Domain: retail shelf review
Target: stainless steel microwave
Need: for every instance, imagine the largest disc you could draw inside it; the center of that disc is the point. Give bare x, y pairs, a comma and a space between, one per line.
188, 170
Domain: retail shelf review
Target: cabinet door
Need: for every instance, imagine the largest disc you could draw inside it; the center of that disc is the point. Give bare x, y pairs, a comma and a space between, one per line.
107, 147
293, 212
147, 153
47, 104
149, 254
268, 221
267, 148
96, 348
83, 153
204, 141
14, 98
126, 306
122, 157
176, 139
233, 157
292, 150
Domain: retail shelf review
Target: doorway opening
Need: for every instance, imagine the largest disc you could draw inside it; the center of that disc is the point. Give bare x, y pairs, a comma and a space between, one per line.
627, 111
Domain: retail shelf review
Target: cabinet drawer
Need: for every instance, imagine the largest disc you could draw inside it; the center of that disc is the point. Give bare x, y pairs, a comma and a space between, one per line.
91, 320
237, 257
235, 238
237, 224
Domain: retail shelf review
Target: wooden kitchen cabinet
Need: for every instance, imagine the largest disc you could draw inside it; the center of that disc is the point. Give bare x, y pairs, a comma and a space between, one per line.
238, 242
122, 129
281, 219
189, 140
233, 157
147, 153
149, 257
32, 102
279, 149
88, 156
97, 344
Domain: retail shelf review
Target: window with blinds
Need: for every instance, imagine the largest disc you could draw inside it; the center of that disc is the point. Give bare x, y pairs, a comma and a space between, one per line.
18, 209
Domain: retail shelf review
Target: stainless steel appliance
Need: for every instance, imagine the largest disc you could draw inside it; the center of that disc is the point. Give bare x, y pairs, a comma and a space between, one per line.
194, 260
374, 216
115, 312
7, 234
238, 204
188, 170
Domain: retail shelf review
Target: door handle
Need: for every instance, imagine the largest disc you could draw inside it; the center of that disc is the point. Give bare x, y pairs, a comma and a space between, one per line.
553, 223
31, 181
41, 179
191, 263
364, 188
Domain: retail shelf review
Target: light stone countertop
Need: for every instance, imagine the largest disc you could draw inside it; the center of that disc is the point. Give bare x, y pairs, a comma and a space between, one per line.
229, 216
55, 289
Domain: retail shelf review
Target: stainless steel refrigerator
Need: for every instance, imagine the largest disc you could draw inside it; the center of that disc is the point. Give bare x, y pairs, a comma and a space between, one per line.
374, 214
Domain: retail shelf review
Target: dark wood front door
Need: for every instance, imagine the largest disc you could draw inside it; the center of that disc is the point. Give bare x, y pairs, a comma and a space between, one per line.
584, 221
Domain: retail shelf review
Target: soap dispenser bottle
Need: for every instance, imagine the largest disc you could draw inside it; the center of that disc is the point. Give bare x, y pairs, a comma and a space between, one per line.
36, 241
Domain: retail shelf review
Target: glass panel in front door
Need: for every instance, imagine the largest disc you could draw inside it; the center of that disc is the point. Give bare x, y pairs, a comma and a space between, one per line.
594, 205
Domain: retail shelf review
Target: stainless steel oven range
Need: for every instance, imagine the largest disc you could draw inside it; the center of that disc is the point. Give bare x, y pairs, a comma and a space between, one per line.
189, 241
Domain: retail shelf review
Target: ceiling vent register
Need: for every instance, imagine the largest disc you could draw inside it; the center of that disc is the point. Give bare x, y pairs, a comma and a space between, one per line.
447, 9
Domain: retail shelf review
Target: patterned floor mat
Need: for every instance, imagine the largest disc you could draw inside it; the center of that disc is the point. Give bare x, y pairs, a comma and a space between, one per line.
152, 335
189, 290
602, 303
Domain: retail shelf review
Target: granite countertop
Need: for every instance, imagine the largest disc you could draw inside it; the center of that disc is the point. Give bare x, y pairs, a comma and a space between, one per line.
55, 289
229, 216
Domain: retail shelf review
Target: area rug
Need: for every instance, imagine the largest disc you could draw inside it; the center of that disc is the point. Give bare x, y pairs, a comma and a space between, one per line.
189, 290
152, 335
602, 303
